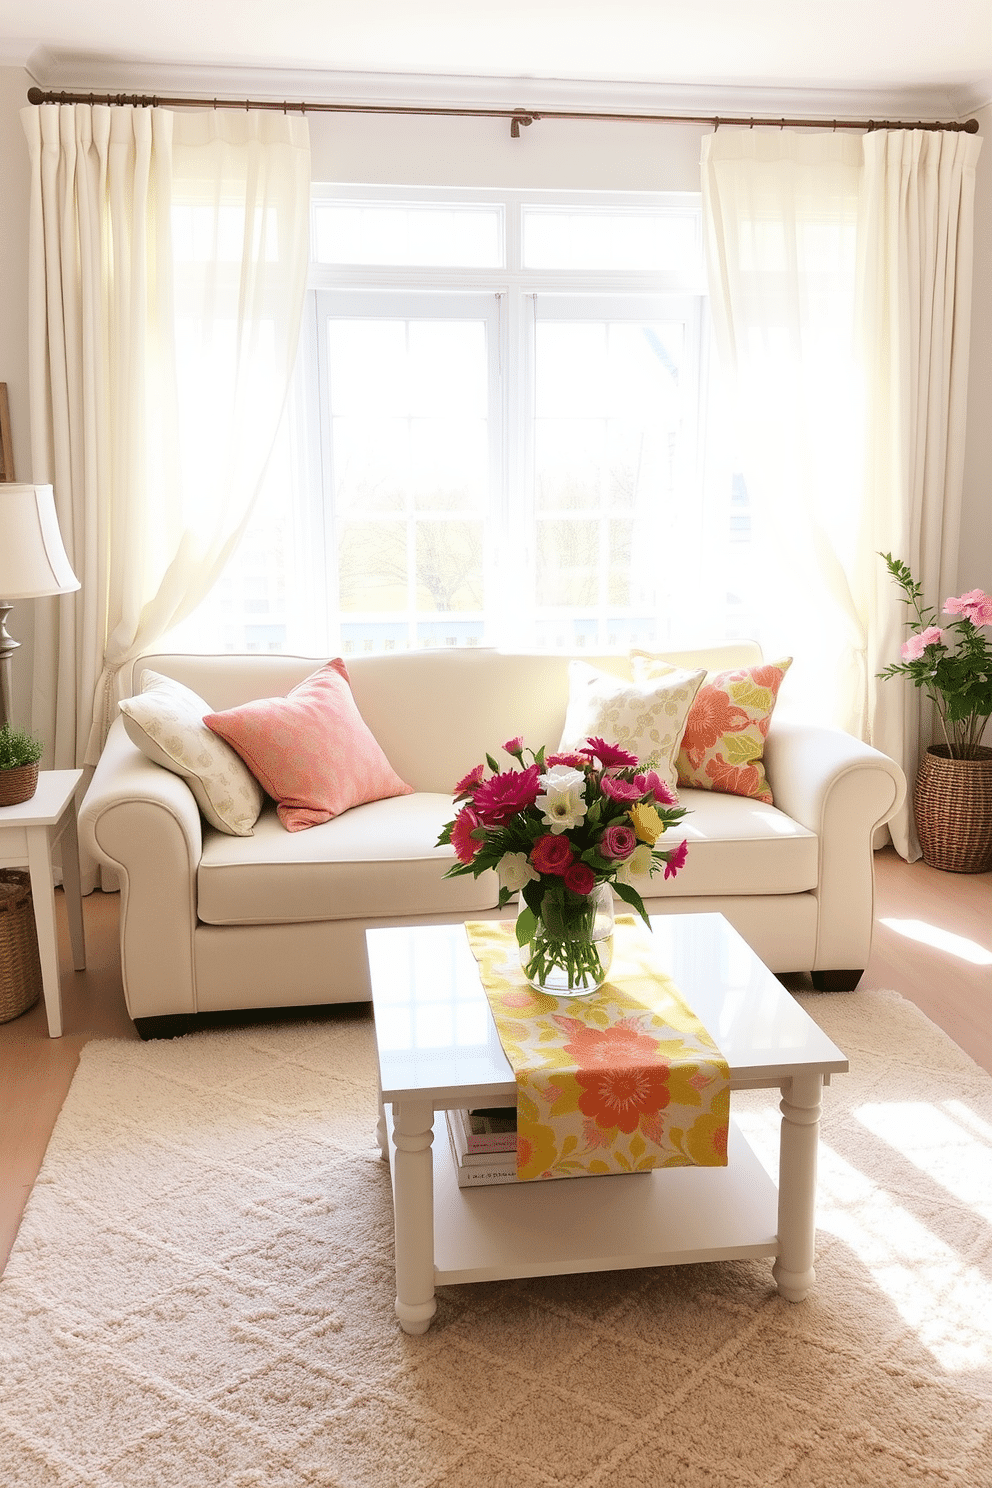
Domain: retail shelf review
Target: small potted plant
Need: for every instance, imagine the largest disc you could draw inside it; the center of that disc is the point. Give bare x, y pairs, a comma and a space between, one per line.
19, 756
952, 664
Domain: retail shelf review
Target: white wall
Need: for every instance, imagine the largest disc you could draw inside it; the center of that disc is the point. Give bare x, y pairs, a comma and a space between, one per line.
404, 150
576, 154
14, 186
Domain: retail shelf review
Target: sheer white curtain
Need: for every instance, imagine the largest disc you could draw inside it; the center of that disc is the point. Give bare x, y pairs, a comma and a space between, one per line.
168, 262
780, 213
917, 237
840, 284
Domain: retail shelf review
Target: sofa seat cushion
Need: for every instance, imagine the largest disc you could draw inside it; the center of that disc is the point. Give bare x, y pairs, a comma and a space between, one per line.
737, 845
376, 860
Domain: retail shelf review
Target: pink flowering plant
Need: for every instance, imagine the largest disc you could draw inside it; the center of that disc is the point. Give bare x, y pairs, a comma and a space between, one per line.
951, 663
555, 828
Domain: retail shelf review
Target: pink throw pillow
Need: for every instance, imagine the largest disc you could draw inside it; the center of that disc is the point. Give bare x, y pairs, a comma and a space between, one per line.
312, 751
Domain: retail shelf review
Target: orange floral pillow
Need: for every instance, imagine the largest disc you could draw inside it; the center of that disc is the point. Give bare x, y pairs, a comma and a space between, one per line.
724, 741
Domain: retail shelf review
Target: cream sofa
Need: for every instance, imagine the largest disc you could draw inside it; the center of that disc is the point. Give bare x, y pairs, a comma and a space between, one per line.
210, 921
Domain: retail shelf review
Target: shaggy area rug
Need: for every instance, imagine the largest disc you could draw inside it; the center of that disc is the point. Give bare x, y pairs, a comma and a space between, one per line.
201, 1295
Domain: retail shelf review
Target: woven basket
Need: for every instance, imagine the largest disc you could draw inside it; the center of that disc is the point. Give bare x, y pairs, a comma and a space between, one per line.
952, 802
20, 964
18, 785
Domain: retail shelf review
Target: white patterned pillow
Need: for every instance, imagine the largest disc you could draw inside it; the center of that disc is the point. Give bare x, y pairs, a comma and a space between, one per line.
646, 718
165, 721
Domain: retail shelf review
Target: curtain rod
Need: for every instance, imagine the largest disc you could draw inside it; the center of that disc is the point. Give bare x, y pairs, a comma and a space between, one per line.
517, 117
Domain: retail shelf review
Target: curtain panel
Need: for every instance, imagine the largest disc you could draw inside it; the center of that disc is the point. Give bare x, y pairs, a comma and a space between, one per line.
840, 282
167, 268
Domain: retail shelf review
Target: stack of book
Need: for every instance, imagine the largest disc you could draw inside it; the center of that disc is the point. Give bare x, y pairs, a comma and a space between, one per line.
484, 1144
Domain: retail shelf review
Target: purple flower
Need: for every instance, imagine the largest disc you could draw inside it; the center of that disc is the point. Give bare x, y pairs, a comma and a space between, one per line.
618, 842
676, 859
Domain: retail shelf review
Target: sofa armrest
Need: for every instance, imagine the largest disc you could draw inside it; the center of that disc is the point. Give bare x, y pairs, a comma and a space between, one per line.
143, 822
843, 790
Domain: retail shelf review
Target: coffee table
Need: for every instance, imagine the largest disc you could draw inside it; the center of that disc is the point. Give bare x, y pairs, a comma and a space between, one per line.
438, 1048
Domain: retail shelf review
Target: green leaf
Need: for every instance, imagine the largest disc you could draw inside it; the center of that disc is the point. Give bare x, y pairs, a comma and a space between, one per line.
526, 926
493, 765
630, 896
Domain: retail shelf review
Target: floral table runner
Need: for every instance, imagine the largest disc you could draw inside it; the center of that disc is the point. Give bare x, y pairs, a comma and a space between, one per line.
617, 1081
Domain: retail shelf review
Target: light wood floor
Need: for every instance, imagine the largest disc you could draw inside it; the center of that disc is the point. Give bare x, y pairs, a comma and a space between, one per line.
933, 943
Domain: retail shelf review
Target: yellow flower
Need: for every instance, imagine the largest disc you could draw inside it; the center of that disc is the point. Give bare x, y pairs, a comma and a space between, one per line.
648, 825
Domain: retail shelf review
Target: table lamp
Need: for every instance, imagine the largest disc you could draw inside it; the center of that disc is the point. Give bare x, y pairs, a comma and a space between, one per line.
33, 562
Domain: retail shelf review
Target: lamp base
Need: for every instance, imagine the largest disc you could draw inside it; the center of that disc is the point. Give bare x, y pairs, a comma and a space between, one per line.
7, 648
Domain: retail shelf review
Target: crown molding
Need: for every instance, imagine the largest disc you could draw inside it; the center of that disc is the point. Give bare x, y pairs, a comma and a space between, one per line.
83, 72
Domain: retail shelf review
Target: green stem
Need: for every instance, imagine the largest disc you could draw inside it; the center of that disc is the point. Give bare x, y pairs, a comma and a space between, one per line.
563, 940
578, 958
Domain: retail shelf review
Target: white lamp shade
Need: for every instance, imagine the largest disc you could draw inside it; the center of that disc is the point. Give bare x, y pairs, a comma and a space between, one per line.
33, 561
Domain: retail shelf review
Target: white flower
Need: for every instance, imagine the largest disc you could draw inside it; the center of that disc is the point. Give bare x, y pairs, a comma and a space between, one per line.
639, 862
514, 871
562, 803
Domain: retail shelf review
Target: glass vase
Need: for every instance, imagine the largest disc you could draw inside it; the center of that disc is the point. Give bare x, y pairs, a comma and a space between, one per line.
571, 949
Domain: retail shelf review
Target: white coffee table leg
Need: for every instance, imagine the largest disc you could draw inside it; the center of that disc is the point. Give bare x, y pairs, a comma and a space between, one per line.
413, 1209
800, 1106
381, 1130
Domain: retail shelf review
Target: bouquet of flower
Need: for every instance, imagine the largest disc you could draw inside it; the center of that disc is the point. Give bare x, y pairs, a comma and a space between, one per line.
557, 827
957, 681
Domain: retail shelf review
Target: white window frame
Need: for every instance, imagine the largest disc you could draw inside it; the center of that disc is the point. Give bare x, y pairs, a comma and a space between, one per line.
522, 295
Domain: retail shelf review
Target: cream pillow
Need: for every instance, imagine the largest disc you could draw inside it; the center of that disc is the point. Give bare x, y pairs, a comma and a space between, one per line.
646, 718
165, 721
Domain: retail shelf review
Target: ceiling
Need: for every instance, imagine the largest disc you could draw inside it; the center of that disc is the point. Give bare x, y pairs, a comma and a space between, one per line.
837, 56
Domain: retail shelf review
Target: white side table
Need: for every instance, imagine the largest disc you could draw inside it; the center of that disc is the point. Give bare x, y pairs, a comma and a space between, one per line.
28, 832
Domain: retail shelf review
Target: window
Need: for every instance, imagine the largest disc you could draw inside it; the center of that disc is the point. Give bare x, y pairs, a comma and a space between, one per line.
502, 433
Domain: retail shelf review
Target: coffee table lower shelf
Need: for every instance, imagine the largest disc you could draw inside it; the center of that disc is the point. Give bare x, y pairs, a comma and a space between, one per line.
667, 1217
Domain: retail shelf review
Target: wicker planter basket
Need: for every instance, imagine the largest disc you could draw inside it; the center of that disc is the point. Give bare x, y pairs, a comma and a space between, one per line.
20, 964
18, 785
952, 802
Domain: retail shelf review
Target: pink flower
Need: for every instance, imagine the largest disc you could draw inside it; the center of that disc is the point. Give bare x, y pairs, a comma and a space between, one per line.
975, 606
552, 854
677, 859
618, 842
466, 846
580, 879
515, 746
610, 756
468, 782
569, 757
663, 794
914, 648
620, 790
502, 797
